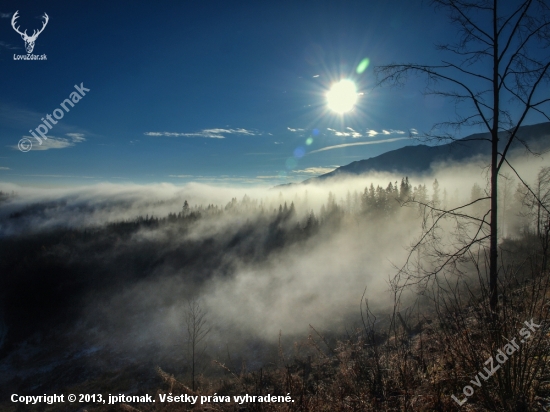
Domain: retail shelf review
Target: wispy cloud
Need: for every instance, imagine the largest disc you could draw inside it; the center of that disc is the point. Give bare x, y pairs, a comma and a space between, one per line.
413, 131
319, 170
339, 146
206, 133
295, 130
8, 46
5, 15
226, 178
235, 179
22, 118
4, 168
77, 137
268, 177
349, 133
83, 177
369, 132
372, 133
53, 142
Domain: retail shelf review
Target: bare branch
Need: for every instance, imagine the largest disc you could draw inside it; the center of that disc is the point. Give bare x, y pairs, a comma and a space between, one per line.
467, 71
528, 106
528, 188
397, 71
516, 27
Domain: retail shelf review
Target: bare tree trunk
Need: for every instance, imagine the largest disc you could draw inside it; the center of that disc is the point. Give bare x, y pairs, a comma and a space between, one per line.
493, 251
538, 210
493, 248
197, 330
193, 367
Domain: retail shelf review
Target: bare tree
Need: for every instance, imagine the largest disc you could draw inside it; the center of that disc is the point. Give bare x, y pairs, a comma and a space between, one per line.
197, 330
495, 73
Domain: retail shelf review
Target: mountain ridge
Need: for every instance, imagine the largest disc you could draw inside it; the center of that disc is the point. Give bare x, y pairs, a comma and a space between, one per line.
420, 158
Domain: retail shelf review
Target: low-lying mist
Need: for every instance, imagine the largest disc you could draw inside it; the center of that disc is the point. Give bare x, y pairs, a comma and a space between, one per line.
117, 264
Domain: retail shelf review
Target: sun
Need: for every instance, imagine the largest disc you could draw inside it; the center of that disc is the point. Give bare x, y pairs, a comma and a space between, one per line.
342, 96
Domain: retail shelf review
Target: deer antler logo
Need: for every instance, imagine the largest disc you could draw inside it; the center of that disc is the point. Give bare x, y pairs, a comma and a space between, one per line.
29, 40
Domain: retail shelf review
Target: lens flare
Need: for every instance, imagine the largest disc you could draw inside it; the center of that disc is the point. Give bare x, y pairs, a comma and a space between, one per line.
342, 96
309, 141
363, 65
299, 152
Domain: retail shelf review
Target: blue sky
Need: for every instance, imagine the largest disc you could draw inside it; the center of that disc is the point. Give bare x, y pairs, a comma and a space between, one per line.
211, 91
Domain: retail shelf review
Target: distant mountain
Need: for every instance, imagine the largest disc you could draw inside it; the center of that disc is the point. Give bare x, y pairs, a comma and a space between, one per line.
420, 158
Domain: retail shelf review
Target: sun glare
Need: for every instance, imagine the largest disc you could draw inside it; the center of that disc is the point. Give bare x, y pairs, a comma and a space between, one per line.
342, 96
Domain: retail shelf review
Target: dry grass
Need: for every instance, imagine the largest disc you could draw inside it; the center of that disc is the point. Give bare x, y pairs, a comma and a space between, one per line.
410, 366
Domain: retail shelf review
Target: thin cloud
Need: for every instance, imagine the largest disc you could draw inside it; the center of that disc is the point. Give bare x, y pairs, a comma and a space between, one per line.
413, 131
339, 146
351, 133
77, 137
315, 170
4, 168
18, 117
214, 178
206, 133
5, 15
53, 142
8, 46
83, 177
232, 131
372, 133
237, 179
295, 130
